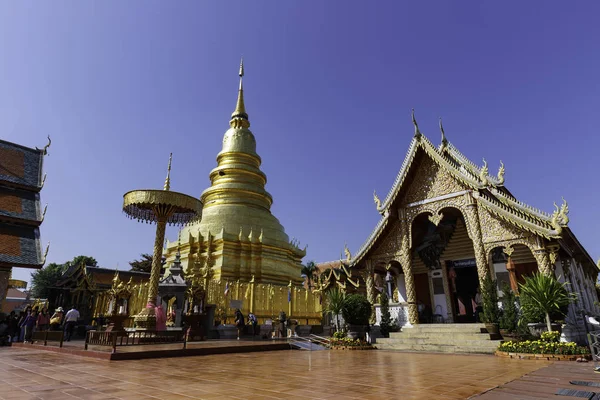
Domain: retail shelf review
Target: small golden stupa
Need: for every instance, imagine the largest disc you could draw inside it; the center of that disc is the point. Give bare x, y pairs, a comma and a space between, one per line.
239, 243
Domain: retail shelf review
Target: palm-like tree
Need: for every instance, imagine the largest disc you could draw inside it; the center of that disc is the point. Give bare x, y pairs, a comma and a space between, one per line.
335, 299
546, 294
308, 271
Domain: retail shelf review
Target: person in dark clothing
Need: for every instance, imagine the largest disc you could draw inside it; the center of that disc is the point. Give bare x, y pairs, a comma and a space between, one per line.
239, 322
28, 323
254, 322
13, 326
282, 322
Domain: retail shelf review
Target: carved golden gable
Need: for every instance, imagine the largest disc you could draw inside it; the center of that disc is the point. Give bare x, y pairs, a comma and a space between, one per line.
389, 244
430, 180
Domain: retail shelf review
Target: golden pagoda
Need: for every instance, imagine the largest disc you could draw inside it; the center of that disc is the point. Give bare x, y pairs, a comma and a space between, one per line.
239, 246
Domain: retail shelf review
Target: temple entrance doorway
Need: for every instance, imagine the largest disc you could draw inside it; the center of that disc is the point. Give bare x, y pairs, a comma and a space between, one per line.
463, 282
423, 298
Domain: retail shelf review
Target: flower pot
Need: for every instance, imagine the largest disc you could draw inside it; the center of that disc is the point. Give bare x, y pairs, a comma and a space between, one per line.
356, 331
493, 329
538, 328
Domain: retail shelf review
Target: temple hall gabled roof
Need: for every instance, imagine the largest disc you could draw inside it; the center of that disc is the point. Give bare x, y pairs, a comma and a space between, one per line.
21, 166
488, 189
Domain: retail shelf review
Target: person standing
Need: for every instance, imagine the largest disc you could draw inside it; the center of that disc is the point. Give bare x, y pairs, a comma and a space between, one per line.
282, 324
70, 321
254, 322
43, 320
57, 319
239, 323
28, 324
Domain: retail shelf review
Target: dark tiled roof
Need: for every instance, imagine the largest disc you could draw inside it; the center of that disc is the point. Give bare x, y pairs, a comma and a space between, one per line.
15, 293
20, 204
20, 165
20, 246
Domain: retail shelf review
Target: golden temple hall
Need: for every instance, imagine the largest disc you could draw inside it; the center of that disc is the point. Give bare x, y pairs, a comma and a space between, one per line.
447, 223
239, 245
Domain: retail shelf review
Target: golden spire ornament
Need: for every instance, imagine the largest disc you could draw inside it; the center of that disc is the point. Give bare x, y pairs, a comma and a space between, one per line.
239, 117
168, 179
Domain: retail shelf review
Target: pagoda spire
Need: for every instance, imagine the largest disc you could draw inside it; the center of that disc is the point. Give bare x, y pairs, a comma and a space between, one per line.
168, 179
239, 117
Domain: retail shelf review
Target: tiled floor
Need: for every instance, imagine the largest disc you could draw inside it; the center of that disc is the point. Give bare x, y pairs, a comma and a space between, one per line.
36, 374
545, 382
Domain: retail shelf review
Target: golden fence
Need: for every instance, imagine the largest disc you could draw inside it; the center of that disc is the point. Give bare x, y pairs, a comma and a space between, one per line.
266, 301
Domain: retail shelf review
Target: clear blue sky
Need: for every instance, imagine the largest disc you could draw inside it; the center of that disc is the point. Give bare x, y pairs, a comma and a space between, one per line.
329, 88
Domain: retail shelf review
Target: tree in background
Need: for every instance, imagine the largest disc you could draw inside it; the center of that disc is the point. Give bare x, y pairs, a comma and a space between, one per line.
143, 265
89, 261
43, 279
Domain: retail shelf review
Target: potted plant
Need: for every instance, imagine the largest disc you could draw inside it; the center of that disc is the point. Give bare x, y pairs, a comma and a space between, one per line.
356, 312
491, 312
510, 314
544, 298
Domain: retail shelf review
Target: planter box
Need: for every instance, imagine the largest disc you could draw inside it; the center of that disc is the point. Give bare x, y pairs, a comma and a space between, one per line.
548, 357
352, 347
539, 328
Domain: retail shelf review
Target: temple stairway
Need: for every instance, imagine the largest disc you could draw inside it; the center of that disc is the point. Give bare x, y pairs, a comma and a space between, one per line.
442, 338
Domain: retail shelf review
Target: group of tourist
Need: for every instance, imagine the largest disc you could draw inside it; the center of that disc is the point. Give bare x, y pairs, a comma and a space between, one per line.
240, 323
20, 327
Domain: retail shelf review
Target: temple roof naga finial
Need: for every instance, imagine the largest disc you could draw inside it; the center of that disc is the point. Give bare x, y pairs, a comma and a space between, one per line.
501, 173
414, 121
168, 179
45, 149
444, 140
239, 117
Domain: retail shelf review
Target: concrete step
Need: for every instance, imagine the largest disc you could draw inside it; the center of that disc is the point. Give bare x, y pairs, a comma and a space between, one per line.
437, 348
446, 328
439, 335
450, 341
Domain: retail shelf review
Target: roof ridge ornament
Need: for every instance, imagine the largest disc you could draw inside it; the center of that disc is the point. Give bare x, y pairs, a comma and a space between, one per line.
560, 216
501, 173
414, 121
377, 201
347, 253
483, 175
444, 140
45, 149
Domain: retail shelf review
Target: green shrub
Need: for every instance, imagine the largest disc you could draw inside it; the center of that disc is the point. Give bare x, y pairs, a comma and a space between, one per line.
544, 297
385, 324
510, 314
356, 310
489, 297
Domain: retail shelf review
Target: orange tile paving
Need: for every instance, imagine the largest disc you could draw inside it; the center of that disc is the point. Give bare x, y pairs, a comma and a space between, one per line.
293, 374
545, 382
